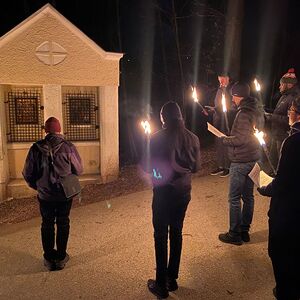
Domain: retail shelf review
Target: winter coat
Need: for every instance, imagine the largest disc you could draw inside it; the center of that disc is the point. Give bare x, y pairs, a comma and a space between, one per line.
243, 146
38, 171
174, 155
284, 209
279, 119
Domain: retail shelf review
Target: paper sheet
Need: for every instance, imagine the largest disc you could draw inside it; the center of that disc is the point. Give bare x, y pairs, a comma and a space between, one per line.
214, 130
259, 177
264, 179
254, 174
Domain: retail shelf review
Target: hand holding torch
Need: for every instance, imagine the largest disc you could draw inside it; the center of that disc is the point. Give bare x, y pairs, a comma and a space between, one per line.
260, 136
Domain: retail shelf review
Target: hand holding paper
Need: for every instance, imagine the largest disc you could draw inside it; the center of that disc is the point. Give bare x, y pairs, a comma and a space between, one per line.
214, 130
260, 178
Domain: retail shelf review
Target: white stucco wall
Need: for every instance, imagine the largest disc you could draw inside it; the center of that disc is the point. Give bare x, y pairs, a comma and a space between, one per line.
82, 65
47, 50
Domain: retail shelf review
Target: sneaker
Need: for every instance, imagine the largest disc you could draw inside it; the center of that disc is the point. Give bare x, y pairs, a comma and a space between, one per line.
245, 236
225, 173
217, 171
228, 238
158, 291
60, 264
171, 284
49, 264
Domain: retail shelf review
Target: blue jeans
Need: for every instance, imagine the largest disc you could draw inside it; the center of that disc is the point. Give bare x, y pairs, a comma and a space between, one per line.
240, 187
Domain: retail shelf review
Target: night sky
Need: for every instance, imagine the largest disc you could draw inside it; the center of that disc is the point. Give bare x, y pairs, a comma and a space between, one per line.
144, 31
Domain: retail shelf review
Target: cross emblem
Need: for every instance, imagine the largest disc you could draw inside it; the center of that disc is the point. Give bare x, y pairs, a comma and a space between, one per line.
50, 53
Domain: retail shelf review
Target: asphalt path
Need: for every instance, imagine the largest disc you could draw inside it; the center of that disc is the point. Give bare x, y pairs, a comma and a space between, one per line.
112, 254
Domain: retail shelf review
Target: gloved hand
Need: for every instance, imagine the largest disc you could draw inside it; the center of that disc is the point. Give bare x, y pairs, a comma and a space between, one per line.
262, 190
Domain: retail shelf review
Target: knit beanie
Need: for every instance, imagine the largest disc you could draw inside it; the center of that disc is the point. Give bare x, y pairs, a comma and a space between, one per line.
289, 77
171, 112
52, 125
240, 90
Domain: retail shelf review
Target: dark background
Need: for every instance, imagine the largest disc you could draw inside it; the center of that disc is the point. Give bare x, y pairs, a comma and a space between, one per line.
163, 58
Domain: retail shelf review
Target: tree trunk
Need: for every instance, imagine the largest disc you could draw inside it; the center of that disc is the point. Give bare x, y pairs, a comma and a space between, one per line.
234, 23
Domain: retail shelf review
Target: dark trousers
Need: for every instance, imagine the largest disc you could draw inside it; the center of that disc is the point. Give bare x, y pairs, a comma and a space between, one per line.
168, 208
285, 256
55, 212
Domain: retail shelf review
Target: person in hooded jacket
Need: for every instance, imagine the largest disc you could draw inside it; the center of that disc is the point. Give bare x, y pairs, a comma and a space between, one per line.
174, 156
284, 212
243, 151
54, 206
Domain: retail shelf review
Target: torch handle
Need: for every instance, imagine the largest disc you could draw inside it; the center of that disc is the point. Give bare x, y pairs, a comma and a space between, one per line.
268, 158
226, 123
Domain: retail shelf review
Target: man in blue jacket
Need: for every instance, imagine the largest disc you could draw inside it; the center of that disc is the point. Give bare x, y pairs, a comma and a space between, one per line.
174, 156
43, 176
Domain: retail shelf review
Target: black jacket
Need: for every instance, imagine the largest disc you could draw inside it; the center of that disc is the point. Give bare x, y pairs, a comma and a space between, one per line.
279, 119
174, 155
243, 146
38, 172
284, 209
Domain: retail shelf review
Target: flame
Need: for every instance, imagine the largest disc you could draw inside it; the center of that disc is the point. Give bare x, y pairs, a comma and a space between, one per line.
260, 136
194, 95
224, 103
257, 85
146, 126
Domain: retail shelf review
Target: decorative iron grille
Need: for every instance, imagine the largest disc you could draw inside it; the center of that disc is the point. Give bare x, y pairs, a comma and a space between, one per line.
80, 116
24, 115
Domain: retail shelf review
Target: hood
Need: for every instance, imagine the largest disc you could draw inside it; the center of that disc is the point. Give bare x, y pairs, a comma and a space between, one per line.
55, 140
295, 128
249, 103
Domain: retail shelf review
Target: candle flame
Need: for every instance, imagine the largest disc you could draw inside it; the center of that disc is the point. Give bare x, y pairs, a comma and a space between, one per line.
257, 85
194, 95
224, 103
146, 126
260, 136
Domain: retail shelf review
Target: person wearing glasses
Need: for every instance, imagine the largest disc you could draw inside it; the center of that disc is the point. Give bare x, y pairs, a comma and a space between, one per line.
284, 212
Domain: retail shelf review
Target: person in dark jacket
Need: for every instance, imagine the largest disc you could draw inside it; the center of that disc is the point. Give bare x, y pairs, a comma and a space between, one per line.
284, 212
41, 175
174, 156
279, 121
219, 122
244, 152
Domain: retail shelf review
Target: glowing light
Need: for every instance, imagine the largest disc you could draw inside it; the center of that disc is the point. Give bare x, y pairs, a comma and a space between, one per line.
194, 95
257, 85
260, 136
224, 103
146, 126
156, 174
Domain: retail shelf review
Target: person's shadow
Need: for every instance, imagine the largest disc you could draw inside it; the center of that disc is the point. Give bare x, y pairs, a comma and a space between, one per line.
16, 262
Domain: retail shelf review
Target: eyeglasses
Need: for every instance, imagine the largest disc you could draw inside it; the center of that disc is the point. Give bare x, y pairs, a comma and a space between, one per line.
293, 110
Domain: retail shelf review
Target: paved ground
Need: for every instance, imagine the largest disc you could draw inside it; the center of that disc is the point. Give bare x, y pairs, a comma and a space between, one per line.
111, 249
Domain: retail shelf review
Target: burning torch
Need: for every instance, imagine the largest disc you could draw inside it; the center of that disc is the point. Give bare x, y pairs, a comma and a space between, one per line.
195, 97
260, 136
147, 129
258, 88
225, 112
